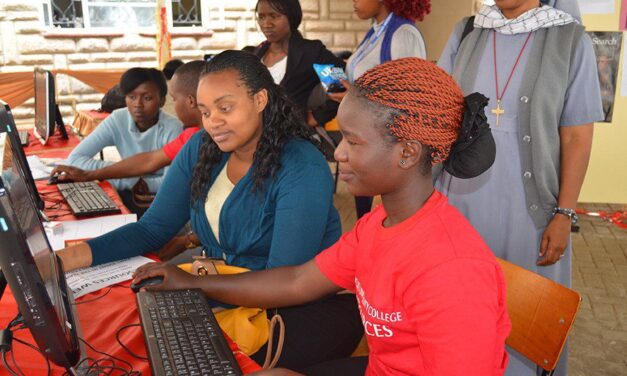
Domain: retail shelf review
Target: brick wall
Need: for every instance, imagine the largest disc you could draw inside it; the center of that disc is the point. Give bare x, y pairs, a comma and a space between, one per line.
25, 43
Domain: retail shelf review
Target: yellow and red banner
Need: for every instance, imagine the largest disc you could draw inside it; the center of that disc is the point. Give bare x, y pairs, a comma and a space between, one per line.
164, 41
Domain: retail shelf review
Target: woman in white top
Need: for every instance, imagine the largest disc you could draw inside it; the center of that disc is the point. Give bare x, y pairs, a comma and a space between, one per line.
394, 35
290, 57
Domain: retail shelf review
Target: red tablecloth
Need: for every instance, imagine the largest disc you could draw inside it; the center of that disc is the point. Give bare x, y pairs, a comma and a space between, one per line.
86, 122
57, 208
101, 314
54, 144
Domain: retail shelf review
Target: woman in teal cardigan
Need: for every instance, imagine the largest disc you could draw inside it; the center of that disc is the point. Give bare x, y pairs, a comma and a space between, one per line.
258, 194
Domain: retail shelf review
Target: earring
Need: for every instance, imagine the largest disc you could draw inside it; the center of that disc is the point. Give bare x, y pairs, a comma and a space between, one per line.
402, 162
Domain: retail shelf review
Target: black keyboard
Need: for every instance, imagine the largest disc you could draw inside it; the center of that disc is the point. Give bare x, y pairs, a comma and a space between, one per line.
182, 335
23, 135
87, 199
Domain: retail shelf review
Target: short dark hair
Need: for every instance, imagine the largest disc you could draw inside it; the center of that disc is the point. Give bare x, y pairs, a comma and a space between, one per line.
134, 77
290, 8
188, 75
170, 67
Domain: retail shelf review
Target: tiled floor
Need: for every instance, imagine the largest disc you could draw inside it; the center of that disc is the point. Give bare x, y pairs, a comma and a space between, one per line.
598, 341
599, 338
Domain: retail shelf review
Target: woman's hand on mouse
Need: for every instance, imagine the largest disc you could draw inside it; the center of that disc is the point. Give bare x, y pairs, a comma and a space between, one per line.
173, 277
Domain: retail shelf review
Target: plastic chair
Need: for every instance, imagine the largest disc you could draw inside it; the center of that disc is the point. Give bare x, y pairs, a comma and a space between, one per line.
542, 313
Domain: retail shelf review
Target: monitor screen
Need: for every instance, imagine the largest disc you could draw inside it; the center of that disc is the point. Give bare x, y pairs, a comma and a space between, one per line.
37, 280
45, 105
14, 167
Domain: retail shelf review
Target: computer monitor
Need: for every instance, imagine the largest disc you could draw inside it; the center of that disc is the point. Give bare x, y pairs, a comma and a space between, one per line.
47, 112
14, 167
36, 278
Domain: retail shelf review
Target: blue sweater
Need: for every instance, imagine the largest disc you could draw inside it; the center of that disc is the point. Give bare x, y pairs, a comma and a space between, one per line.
119, 130
287, 223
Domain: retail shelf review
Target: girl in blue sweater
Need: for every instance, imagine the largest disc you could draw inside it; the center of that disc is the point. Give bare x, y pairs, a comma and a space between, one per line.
258, 193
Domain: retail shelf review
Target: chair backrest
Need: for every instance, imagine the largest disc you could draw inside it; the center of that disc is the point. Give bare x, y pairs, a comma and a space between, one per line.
542, 313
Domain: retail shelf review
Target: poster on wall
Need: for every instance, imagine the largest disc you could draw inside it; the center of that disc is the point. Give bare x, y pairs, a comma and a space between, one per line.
607, 45
596, 6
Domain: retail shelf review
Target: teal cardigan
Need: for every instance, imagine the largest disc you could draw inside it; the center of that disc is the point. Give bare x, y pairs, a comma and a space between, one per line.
287, 223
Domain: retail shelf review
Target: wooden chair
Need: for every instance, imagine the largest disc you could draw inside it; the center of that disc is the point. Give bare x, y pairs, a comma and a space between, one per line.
542, 313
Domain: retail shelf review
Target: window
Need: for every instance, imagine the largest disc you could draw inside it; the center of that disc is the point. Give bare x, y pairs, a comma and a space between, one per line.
120, 14
186, 13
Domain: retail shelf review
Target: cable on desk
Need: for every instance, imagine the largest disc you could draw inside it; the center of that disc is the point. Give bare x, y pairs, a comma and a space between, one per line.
117, 338
78, 365
36, 349
19, 370
6, 365
59, 215
97, 367
56, 205
6, 341
132, 372
96, 298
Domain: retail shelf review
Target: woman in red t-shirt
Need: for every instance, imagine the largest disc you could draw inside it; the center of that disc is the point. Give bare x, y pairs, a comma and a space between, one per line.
430, 292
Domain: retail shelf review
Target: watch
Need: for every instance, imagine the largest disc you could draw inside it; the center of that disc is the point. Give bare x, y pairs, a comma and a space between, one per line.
570, 213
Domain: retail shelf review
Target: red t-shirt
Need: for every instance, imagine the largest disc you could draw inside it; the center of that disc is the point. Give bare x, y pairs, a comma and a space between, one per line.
431, 293
173, 147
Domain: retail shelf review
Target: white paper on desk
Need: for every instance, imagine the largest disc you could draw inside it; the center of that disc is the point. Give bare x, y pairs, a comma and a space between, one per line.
56, 240
53, 162
39, 170
93, 227
596, 6
86, 280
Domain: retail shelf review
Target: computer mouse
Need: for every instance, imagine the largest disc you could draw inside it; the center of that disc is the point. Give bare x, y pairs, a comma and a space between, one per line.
54, 179
146, 282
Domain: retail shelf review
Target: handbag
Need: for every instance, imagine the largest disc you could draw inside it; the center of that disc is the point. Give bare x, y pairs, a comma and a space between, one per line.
248, 327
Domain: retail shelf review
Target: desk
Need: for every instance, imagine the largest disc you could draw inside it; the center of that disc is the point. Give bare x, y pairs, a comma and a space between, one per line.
57, 208
100, 313
54, 144
86, 121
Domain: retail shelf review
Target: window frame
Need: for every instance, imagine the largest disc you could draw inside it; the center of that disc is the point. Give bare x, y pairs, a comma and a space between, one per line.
85, 4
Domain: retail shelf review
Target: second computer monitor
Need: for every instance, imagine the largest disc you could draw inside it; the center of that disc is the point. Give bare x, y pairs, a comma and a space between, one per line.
45, 104
47, 113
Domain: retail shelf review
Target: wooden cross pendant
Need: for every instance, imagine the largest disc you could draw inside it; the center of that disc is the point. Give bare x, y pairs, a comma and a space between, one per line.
498, 111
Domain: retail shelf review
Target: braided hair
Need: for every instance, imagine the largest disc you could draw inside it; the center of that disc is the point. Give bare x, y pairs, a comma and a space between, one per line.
281, 123
420, 101
413, 10
429, 105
